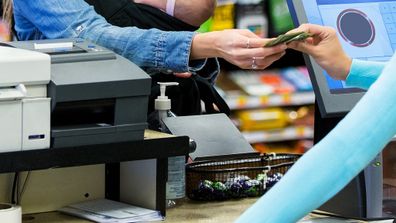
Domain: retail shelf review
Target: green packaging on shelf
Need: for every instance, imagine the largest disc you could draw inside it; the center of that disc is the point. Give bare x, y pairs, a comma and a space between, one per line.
252, 16
280, 17
206, 26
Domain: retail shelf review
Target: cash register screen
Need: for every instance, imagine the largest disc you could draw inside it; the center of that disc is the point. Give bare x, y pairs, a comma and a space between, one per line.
366, 30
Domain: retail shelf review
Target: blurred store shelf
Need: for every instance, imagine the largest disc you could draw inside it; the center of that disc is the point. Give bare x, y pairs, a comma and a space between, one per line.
236, 102
288, 133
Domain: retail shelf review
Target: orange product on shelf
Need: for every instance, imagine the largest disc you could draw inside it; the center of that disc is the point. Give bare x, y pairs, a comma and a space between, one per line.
305, 116
4, 32
262, 83
270, 118
286, 98
280, 86
280, 147
300, 131
274, 118
264, 100
242, 101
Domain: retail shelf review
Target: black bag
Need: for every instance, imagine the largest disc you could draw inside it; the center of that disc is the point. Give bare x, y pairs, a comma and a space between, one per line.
186, 98
1, 7
125, 13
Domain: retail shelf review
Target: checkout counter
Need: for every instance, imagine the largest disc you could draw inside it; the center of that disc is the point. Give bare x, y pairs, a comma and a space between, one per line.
90, 106
91, 99
76, 100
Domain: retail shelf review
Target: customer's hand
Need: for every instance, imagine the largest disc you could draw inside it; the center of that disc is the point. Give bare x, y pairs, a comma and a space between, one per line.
325, 48
240, 47
183, 75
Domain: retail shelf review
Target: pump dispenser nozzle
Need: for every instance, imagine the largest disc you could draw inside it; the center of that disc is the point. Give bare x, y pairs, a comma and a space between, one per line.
163, 102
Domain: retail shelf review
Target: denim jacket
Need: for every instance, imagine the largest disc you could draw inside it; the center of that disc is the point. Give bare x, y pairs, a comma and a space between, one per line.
151, 49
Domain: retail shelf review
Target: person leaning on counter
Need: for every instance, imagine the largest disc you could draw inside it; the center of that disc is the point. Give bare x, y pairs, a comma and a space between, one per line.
332, 163
155, 49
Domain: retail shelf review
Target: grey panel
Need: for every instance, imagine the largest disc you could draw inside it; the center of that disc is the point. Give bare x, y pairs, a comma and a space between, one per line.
362, 197
98, 79
81, 51
131, 110
95, 129
214, 134
81, 140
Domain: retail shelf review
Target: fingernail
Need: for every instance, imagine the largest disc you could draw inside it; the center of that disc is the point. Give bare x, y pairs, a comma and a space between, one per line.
284, 47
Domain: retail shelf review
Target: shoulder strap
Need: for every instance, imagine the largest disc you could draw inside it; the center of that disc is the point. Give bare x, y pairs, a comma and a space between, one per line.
211, 97
124, 13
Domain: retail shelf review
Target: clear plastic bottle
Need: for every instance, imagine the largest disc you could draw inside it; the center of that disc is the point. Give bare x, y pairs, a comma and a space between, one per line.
176, 183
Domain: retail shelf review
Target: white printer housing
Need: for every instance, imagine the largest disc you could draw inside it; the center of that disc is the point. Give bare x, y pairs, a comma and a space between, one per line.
24, 106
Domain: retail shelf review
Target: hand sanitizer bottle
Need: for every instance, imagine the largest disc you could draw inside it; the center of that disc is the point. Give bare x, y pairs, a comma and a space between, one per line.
176, 183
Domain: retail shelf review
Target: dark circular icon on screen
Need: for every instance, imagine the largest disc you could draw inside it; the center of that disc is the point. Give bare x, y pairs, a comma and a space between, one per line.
356, 28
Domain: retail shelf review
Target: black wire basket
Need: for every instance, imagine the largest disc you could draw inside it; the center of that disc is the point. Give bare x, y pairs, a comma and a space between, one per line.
236, 176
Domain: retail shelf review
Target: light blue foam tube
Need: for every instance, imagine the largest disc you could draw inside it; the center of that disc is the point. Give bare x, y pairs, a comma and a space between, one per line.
326, 168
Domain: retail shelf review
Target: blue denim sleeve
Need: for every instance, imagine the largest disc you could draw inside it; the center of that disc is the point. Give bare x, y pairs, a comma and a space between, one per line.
333, 162
364, 73
152, 48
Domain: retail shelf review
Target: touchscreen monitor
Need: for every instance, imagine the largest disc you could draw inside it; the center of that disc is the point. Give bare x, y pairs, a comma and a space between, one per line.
366, 30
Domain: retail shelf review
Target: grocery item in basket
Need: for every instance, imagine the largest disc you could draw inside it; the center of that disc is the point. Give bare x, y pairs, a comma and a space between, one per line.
220, 191
205, 190
236, 176
262, 177
236, 187
254, 190
236, 190
272, 180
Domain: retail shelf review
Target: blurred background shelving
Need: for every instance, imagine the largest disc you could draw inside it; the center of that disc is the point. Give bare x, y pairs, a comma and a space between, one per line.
4, 29
273, 108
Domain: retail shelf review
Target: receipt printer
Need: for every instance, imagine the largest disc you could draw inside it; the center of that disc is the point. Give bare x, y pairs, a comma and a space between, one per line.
24, 106
96, 95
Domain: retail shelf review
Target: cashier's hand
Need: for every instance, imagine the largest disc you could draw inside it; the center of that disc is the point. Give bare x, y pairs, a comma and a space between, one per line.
240, 47
183, 75
325, 48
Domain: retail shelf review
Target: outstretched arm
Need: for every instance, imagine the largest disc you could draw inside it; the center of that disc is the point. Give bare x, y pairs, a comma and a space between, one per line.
327, 51
326, 168
147, 48
364, 73
54, 19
